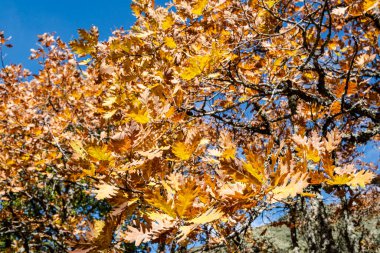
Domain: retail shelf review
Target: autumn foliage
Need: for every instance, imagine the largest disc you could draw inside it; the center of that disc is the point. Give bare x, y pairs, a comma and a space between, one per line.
181, 131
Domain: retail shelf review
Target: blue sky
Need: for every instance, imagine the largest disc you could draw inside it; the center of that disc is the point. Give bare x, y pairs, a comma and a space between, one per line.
25, 19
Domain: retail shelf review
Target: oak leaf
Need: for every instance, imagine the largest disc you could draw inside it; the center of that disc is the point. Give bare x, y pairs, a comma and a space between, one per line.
100, 153
209, 216
170, 43
293, 185
141, 117
199, 6
157, 200
77, 146
182, 151
168, 22
105, 191
185, 198
361, 179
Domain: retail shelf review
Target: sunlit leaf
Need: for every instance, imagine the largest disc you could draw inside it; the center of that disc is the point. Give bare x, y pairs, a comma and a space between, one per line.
199, 6
182, 151
140, 117
105, 191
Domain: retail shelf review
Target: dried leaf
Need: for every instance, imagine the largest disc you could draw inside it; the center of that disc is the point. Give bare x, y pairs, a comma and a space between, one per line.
209, 216
105, 191
182, 151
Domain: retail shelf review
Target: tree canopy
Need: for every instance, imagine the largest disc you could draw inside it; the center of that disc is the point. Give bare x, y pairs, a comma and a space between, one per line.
183, 130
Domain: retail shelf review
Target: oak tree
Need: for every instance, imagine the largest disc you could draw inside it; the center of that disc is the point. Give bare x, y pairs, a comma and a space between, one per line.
179, 133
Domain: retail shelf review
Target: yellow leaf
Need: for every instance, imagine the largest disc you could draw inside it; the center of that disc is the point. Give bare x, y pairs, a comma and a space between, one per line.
369, 4
339, 179
312, 154
243, 98
199, 6
105, 191
208, 216
157, 200
109, 101
308, 195
185, 231
185, 198
91, 171
255, 172
293, 185
229, 153
109, 114
168, 22
98, 227
278, 62
85, 62
141, 117
270, 3
78, 148
361, 179
309, 75
170, 112
195, 66
136, 10
170, 43
182, 151
158, 216
100, 153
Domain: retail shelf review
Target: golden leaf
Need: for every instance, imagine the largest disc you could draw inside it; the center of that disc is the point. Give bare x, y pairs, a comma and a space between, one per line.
136, 10
270, 3
182, 151
100, 153
105, 191
229, 153
313, 155
184, 231
370, 4
208, 216
361, 179
199, 6
109, 114
78, 148
98, 227
339, 179
170, 43
185, 198
109, 101
155, 199
255, 172
308, 195
157, 216
91, 171
195, 66
335, 107
141, 117
168, 22
293, 185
